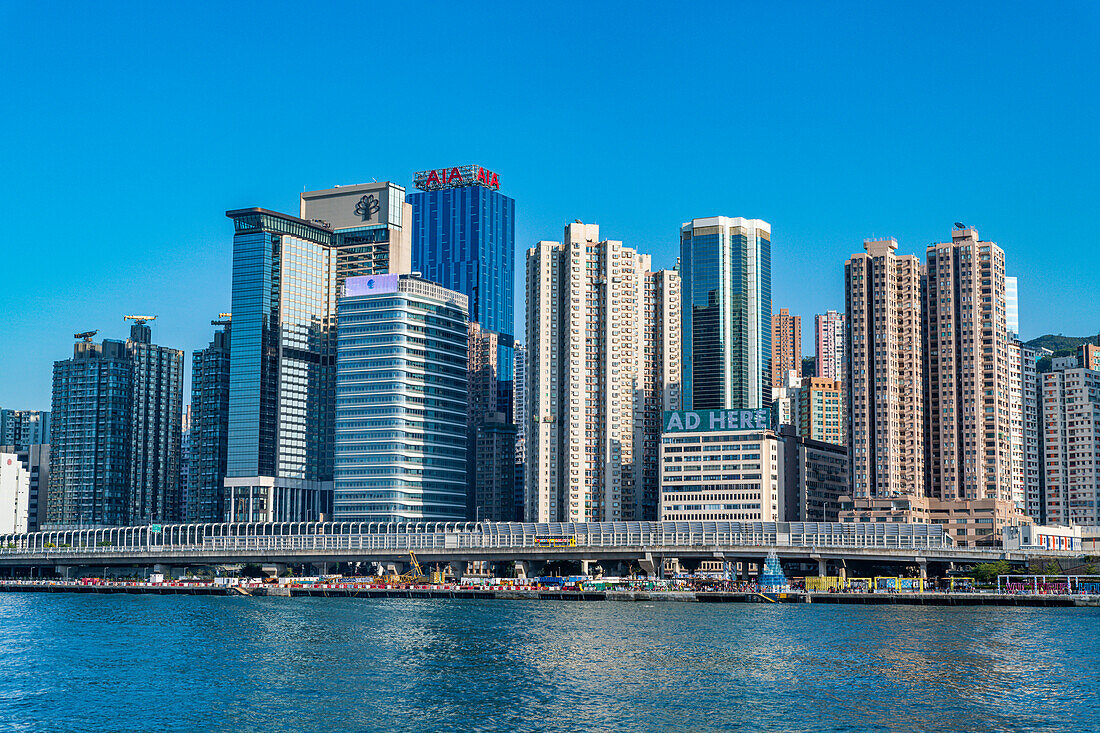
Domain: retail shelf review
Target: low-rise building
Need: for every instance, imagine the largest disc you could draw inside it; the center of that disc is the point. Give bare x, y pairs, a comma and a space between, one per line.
720, 465
15, 489
813, 474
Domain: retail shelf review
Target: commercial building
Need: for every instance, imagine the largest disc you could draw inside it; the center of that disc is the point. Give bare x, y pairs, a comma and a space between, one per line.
209, 434
829, 345
24, 428
36, 460
463, 238
821, 410
603, 340
115, 432
786, 346
725, 270
720, 465
813, 475
287, 273
15, 489
401, 401
883, 373
1071, 437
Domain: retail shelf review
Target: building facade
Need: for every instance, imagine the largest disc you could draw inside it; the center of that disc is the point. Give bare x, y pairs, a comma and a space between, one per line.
287, 273
720, 465
967, 371
725, 272
814, 475
401, 402
603, 340
829, 345
519, 417
116, 431
786, 346
821, 410
24, 428
1029, 378
209, 434
1071, 437
36, 461
883, 373
463, 238
15, 489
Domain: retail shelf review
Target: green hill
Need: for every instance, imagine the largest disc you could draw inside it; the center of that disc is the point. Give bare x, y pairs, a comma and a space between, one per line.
1060, 345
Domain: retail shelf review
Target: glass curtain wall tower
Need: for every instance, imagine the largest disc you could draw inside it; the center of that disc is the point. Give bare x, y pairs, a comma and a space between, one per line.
725, 270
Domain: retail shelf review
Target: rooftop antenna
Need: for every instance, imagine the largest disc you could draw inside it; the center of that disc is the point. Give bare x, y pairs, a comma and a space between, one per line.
86, 335
140, 320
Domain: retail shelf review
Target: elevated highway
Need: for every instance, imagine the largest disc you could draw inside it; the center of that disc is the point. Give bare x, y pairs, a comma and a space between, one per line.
640, 543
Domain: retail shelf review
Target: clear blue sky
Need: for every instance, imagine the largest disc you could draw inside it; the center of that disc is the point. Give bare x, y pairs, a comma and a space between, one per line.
128, 130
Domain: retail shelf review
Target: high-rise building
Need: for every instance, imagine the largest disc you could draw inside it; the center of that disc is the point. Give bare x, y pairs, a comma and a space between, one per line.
15, 489
785, 401
883, 373
36, 460
829, 345
1029, 377
287, 272
1088, 357
209, 436
820, 410
603, 340
1016, 432
1071, 436
24, 428
491, 438
786, 346
463, 238
519, 417
115, 432
725, 270
401, 401
967, 371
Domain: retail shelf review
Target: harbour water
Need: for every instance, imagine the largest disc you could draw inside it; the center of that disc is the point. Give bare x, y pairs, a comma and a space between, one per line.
155, 663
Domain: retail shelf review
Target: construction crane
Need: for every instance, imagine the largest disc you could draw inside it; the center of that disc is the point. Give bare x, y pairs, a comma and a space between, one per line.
86, 335
223, 319
140, 320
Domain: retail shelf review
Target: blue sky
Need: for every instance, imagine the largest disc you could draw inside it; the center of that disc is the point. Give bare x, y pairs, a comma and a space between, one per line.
129, 129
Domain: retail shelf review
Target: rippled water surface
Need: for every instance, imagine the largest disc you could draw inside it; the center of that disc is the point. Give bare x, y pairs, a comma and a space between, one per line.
130, 663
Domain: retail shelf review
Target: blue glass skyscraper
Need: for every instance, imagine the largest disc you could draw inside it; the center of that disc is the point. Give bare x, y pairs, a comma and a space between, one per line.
726, 287
463, 238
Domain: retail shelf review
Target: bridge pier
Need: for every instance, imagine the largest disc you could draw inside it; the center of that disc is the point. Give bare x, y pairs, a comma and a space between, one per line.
922, 563
521, 569
648, 565
842, 569
65, 571
822, 567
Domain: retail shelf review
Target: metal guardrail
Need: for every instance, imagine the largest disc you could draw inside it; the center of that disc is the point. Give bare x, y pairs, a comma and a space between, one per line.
364, 536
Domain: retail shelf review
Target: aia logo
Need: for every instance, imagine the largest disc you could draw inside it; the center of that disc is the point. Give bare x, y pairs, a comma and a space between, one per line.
367, 206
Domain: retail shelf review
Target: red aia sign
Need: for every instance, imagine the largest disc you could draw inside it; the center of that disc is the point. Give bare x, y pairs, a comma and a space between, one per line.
467, 175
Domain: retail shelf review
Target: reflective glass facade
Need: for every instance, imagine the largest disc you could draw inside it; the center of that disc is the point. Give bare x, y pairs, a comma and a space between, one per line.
725, 269
464, 239
401, 397
209, 434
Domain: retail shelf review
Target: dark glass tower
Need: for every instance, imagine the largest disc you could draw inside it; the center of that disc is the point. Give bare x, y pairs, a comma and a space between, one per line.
209, 435
116, 422
463, 238
725, 271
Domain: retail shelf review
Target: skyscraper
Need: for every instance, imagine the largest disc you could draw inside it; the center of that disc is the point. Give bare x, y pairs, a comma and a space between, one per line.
786, 346
209, 427
1029, 377
820, 413
603, 340
401, 401
491, 437
287, 272
464, 239
967, 366
1012, 306
883, 373
829, 345
117, 416
725, 270
519, 416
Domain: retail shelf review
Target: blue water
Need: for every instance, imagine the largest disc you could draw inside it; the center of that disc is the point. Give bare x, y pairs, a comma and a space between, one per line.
148, 663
